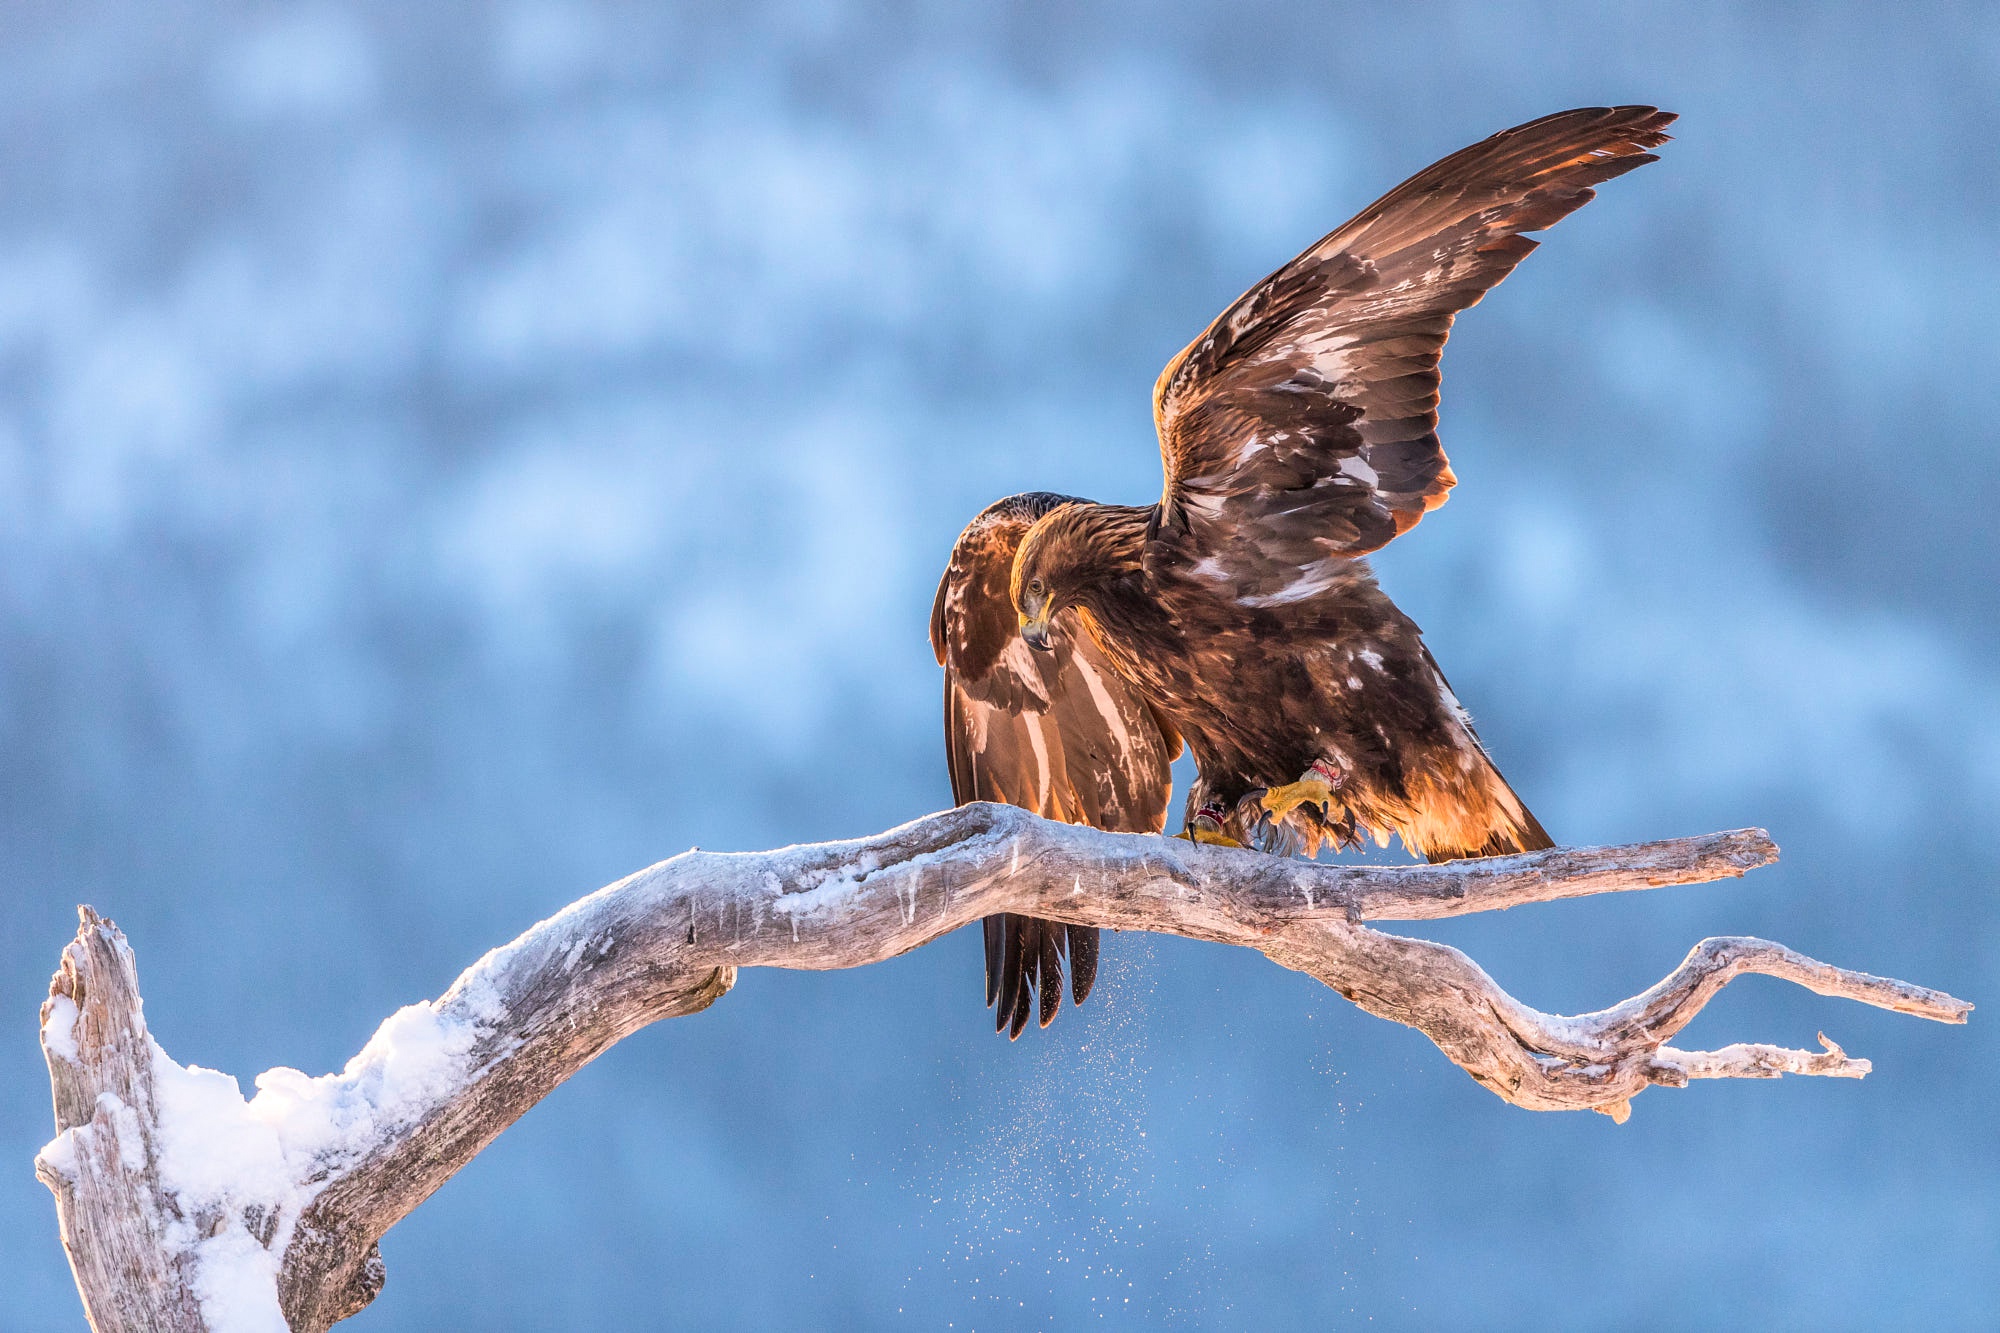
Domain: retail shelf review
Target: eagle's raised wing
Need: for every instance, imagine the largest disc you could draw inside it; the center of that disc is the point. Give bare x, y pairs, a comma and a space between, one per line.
1057, 732
1301, 427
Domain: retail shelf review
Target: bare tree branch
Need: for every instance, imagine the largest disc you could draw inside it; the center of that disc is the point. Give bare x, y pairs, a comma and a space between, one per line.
160, 1237
103, 1164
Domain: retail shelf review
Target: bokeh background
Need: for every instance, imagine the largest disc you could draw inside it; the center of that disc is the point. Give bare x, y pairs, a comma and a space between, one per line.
452, 455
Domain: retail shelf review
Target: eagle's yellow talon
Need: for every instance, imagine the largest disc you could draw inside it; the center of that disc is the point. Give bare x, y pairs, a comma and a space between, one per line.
1211, 838
1281, 801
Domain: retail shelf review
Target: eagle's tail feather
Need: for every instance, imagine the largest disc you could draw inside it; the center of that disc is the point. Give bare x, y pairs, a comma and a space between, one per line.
1082, 961
996, 945
1024, 968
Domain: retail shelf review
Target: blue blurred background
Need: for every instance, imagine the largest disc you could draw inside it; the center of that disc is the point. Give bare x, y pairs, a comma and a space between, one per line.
452, 455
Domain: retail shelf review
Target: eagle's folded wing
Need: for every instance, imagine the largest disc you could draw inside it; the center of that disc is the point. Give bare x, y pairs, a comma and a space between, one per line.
1301, 427
1056, 732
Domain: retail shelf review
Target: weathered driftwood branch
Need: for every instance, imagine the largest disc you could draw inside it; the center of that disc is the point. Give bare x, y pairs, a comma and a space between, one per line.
184, 1207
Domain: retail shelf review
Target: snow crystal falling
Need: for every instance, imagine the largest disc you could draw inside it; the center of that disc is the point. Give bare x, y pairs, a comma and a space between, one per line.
1055, 1177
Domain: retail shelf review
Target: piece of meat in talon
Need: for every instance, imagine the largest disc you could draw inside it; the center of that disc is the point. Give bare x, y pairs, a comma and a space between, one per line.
1210, 824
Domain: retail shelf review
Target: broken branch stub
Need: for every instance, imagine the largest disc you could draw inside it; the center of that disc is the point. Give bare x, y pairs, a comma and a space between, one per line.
165, 1234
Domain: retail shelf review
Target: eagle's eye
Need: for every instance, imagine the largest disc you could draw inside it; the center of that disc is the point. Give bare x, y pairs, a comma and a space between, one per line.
1035, 587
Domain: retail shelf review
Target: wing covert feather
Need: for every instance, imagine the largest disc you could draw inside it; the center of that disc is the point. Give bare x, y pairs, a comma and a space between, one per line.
1301, 426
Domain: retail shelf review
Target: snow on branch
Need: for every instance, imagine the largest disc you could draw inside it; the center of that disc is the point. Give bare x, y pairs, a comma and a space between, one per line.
185, 1207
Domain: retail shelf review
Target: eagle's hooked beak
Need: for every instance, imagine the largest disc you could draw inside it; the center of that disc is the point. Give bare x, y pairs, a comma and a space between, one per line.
1036, 632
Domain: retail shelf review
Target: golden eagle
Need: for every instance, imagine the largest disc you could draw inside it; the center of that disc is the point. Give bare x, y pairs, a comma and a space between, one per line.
1299, 433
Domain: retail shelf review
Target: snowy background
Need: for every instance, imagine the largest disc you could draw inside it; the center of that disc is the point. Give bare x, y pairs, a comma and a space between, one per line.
453, 455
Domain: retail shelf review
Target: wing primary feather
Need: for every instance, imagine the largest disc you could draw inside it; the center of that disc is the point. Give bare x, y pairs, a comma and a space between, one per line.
939, 642
1301, 426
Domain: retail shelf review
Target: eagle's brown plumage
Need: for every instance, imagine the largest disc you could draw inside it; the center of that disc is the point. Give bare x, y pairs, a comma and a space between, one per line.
1058, 732
1298, 434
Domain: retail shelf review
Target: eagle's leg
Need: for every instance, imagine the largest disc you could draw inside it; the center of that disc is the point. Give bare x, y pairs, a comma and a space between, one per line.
1316, 787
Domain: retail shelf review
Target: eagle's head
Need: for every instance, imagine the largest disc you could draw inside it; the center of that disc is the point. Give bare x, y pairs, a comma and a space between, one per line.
1070, 553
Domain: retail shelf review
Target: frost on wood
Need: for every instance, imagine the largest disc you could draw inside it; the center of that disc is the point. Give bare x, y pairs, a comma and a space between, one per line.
185, 1206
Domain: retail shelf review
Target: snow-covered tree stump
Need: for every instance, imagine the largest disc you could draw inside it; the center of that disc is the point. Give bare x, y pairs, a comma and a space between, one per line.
184, 1207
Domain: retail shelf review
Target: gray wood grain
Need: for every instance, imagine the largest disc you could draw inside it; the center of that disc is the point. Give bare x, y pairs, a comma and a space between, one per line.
667, 942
